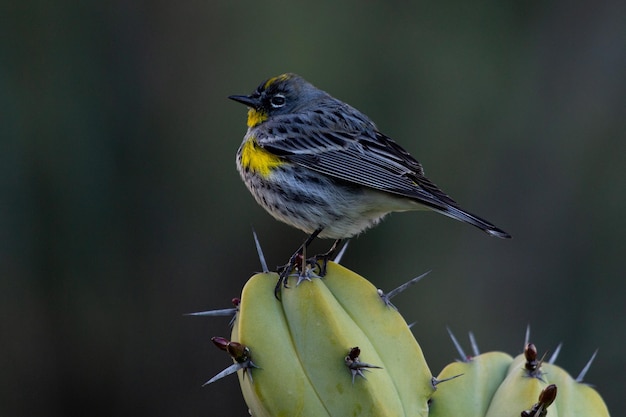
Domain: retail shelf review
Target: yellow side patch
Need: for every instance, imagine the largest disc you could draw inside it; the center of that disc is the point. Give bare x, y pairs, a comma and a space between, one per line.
257, 159
256, 117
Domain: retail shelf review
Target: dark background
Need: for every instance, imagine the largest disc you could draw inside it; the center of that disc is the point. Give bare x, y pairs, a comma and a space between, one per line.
121, 209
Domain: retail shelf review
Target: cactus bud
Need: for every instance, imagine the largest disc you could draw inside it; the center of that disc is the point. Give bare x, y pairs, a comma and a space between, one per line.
355, 365
540, 409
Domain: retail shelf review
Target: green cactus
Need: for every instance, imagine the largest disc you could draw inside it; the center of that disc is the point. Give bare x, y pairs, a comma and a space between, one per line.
495, 384
303, 345
470, 394
337, 347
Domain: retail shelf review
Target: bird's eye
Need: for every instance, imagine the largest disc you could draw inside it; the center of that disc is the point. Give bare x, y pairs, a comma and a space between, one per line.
278, 101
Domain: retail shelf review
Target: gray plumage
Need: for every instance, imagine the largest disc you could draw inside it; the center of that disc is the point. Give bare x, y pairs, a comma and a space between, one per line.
339, 172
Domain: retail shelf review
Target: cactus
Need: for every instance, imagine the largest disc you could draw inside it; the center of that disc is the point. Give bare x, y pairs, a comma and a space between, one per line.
337, 347
495, 384
305, 346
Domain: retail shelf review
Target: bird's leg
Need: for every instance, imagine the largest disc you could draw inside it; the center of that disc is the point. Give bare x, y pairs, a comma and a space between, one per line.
324, 257
302, 263
293, 262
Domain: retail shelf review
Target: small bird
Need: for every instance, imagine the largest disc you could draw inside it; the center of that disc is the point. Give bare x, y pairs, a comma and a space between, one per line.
320, 165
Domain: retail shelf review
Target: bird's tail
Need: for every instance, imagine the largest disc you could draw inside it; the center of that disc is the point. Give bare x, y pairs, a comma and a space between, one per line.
469, 218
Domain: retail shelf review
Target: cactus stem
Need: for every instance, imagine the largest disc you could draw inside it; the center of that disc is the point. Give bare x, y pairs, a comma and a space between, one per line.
584, 371
387, 297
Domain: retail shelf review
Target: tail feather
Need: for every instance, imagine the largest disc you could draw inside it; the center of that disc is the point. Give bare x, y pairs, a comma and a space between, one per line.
469, 218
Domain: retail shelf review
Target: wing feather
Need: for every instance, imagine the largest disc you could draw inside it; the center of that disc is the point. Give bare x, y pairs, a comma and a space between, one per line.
347, 146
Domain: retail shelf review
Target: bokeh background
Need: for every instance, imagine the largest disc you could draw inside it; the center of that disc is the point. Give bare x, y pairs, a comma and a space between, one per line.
121, 209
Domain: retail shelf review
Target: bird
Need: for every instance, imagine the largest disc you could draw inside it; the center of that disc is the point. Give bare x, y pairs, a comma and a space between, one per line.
322, 166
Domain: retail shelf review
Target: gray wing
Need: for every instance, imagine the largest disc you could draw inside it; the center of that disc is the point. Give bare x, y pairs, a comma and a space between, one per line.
350, 148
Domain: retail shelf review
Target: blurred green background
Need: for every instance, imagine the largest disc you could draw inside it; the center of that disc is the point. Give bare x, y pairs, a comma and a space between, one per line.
121, 208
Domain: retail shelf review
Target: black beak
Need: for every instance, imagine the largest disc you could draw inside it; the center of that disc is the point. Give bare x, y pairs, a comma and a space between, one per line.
247, 100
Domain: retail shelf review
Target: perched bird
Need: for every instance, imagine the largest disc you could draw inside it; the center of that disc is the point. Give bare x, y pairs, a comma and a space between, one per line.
320, 165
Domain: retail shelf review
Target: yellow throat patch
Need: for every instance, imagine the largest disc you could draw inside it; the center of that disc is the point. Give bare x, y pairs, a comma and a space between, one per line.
256, 117
257, 159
